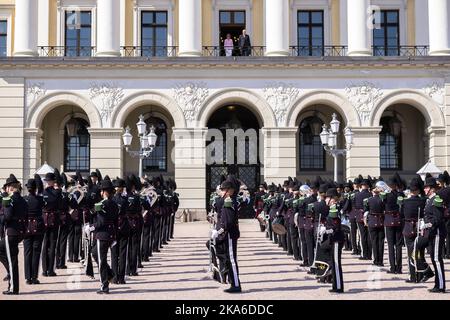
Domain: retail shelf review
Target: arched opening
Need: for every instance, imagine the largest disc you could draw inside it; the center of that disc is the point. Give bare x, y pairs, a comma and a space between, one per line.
312, 159
404, 140
232, 147
160, 160
65, 141
77, 146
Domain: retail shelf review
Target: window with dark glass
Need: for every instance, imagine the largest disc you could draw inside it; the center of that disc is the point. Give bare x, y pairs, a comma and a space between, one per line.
154, 33
77, 149
78, 40
390, 144
3, 38
312, 154
310, 32
157, 161
386, 39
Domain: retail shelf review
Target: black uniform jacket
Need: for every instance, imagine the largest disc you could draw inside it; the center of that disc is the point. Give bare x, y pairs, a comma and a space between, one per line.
410, 212
435, 216
35, 220
15, 215
229, 223
105, 221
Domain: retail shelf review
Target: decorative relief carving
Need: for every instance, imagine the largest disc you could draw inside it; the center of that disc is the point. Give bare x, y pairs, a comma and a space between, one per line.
435, 91
190, 97
363, 97
280, 97
34, 92
108, 96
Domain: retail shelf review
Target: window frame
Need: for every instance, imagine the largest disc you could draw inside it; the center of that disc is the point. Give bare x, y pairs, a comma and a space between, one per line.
324, 162
398, 147
4, 35
7, 15
154, 26
166, 147
386, 47
310, 25
67, 167
78, 47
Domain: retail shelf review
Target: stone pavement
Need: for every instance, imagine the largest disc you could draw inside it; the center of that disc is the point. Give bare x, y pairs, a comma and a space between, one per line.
179, 271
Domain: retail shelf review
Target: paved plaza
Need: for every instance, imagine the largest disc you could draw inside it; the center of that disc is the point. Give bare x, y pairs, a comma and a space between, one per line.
179, 271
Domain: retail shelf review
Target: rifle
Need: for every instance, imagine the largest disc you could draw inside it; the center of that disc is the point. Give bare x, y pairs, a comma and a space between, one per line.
89, 268
213, 254
415, 245
317, 240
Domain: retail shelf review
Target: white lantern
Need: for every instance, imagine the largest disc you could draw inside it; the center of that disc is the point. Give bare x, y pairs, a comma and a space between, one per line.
152, 137
324, 135
144, 142
141, 125
127, 137
348, 136
72, 127
334, 124
332, 140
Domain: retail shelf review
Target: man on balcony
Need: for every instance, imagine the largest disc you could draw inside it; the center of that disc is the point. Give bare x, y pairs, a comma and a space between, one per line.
244, 43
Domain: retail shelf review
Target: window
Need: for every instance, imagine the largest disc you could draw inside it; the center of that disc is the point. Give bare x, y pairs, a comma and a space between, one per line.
77, 149
3, 38
390, 144
312, 154
310, 33
157, 161
78, 34
386, 39
154, 33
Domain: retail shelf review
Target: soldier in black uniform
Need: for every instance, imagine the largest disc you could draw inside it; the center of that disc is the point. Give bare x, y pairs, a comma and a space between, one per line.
366, 247
52, 201
309, 223
435, 231
268, 203
374, 219
227, 232
76, 198
352, 213
15, 218
444, 192
292, 223
258, 204
32, 244
119, 251
135, 220
104, 227
336, 239
412, 209
64, 221
319, 210
393, 226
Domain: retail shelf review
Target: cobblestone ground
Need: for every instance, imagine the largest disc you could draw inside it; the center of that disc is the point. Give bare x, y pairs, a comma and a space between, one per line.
179, 271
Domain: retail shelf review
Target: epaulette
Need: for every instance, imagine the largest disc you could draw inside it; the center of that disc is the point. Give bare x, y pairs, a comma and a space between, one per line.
438, 202
310, 207
228, 203
382, 195
400, 200
99, 206
6, 201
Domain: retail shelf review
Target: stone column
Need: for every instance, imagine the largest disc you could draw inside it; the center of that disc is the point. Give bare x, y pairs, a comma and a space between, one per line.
106, 151
364, 157
280, 155
190, 170
32, 151
190, 28
276, 14
26, 28
437, 146
108, 28
358, 31
439, 27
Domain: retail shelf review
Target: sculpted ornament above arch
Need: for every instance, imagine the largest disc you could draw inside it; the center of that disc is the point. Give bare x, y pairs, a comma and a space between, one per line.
34, 92
280, 96
106, 96
190, 97
435, 90
364, 97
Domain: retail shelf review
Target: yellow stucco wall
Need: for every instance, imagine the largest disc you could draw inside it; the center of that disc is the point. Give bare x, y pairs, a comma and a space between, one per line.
175, 19
411, 25
258, 26
129, 22
335, 23
207, 16
52, 15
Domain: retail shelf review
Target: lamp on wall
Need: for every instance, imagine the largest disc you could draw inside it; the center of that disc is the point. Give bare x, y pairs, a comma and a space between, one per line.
83, 136
315, 125
72, 126
396, 125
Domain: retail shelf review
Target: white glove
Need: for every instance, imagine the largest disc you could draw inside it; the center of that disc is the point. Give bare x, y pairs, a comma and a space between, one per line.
329, 231
278, 213
214, 234
322, 230
87, 229
366, 214
424, 225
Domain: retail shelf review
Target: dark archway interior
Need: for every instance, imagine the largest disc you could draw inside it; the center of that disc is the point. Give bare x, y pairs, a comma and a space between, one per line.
235, 117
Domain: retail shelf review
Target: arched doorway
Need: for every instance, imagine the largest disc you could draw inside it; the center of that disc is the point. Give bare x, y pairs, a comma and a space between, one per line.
160, 161
312, 159
404, 140
65, 141
232, 147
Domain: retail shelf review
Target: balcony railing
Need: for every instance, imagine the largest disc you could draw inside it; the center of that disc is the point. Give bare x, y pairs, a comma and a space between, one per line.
402, 51
221, 51
66, 51
319, 51
149, 51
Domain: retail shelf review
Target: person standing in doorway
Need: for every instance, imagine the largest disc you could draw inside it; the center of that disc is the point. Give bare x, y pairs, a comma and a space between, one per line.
228, 45
244, 43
